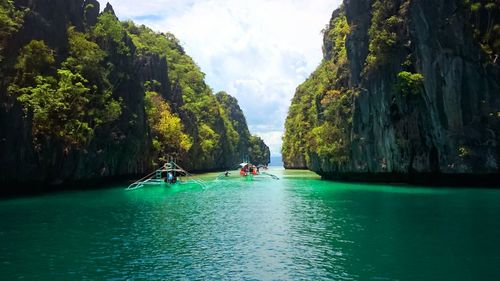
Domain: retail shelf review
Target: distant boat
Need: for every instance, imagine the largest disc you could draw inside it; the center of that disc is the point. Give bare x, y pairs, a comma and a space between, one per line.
249, 171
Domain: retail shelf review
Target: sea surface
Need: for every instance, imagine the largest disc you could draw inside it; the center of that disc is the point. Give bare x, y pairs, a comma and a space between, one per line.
295, 228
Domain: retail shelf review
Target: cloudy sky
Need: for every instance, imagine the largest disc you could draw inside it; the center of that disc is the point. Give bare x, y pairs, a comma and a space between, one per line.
256, 50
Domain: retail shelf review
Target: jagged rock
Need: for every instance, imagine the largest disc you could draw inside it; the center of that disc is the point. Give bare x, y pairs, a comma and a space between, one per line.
121, 148
152, 67
109, 9
450, 129
249, 147
91, 10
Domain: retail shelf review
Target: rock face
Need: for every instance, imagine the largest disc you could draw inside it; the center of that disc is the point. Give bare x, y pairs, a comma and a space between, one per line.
118, 149
121, 148
258, 151
250, 148
423, 95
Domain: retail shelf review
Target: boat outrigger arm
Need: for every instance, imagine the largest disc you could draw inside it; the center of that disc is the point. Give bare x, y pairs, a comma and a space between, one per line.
270, 175
160, 176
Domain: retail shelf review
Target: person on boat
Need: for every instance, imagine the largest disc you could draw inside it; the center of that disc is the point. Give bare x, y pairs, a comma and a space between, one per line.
170, 177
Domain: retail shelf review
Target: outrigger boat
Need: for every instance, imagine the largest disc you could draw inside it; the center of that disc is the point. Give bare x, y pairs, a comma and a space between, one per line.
168, 174
249, 171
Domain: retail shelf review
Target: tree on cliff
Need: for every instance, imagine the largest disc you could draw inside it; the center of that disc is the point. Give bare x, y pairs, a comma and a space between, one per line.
77, 97
404, 87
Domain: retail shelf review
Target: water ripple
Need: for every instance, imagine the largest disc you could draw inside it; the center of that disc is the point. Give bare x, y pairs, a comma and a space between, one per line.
297, 228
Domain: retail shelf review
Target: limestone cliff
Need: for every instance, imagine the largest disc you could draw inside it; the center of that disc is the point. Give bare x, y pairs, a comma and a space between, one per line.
251, 148
117, 99
405, 89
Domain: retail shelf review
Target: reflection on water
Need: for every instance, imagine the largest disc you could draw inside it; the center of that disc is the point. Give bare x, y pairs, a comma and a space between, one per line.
295, 228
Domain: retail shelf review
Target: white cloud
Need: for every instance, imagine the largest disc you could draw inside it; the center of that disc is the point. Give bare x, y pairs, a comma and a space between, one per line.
258, 51
273, 140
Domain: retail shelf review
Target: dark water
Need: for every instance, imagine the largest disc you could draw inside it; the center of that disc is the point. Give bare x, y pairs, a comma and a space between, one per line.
297, 228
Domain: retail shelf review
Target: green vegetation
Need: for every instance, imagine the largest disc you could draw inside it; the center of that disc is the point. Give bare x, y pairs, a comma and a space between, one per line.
11, 20
328, 141
34, 59
320, 116
146, 40
109, 32
258, 151
344, 119
331, 138
484, 16
232, 135
410, 84
167, 129
463, 152
67, 106
57, 107
216, 131
184, 73
209, 139
85, 56
233, 114
337, 32
251, 147
302, 115
385, 31
182, 70
83, 95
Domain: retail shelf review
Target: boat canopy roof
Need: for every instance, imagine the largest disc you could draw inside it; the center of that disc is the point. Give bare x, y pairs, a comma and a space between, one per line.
172, 170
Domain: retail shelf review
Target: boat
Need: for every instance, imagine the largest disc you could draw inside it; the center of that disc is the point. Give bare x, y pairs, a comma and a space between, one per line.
248, 171
169, 174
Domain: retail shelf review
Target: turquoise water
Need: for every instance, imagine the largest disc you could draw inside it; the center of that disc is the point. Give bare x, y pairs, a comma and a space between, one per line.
297, 228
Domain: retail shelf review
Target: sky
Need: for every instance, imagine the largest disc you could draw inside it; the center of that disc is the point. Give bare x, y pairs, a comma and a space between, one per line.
256, 50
